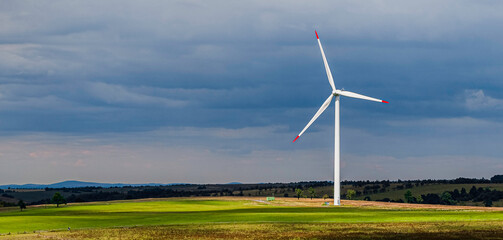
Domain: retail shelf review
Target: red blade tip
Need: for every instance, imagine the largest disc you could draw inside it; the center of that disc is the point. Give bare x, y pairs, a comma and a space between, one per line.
385, 101
316, 34
296, 139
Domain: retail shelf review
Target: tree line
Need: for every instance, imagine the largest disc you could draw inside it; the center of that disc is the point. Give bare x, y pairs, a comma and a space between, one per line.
300, 189
484, 195
461, 180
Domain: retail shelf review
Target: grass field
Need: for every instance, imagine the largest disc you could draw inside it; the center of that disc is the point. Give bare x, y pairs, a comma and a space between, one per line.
248, 218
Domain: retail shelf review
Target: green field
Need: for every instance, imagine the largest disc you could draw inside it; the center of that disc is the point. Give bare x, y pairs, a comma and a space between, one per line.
175, 215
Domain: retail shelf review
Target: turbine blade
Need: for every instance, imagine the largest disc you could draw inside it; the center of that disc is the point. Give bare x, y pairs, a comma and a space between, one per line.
318, 113
356, 95
327, 68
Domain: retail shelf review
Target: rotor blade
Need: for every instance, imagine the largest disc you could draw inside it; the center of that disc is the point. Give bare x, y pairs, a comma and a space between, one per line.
327, 68
318, 113
356, 95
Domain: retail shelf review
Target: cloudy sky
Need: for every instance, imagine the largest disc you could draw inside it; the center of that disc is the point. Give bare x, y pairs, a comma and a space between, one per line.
215, 91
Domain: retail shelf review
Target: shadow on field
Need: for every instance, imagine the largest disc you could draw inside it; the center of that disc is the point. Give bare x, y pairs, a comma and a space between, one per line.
458, 230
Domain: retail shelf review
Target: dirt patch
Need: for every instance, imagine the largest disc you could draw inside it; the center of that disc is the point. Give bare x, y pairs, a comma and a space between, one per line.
317, 202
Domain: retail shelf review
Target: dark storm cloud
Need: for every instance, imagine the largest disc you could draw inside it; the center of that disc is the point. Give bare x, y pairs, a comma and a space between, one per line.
183, 73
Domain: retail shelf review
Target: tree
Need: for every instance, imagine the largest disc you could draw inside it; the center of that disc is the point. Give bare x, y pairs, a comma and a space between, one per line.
447, 199
419, 199
58, 199
299, 192
350, 193
488, 202
431, 198
325, 196
408, 197
473, 192
21, 205
463, 194
455, 194
497, 179
312, 193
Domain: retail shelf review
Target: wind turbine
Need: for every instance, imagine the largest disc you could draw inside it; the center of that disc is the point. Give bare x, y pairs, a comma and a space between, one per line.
335, 93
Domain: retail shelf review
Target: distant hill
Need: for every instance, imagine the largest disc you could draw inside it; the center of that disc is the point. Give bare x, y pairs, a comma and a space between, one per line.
76, 184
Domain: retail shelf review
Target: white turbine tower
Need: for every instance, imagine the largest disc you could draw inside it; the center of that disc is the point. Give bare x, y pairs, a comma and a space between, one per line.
335, 93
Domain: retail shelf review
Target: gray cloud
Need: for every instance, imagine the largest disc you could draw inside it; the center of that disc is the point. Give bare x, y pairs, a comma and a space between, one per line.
229, 84
477, 100
116, 94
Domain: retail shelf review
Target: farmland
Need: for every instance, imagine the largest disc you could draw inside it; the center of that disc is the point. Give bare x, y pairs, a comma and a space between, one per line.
247, 217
